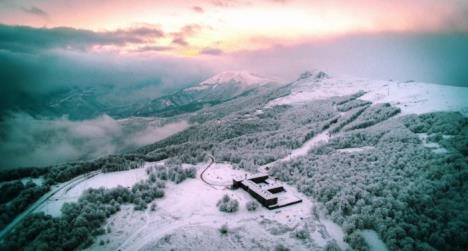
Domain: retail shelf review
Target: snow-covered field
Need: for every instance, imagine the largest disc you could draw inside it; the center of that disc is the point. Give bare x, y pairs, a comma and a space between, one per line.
411, 97
188, 218
107, 180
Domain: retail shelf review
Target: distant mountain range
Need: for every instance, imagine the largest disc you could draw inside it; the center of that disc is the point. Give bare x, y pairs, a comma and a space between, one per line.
89, 102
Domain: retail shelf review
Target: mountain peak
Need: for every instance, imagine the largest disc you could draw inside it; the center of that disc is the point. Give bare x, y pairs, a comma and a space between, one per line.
314, 74
238, 77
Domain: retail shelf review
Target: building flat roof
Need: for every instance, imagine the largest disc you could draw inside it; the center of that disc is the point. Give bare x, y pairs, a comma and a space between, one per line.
258, 190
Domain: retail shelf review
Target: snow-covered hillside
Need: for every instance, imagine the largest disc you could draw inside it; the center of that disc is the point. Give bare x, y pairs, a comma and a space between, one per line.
217, 89
243, 78
411, 97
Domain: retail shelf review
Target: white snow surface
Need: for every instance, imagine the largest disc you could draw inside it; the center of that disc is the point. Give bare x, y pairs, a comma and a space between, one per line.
187, 218
322, 137
411, 97
355, 149
107, 180
373, 240
434, 146
240, 77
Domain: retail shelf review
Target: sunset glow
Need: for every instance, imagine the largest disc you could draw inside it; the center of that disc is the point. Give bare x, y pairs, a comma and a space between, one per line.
191, 27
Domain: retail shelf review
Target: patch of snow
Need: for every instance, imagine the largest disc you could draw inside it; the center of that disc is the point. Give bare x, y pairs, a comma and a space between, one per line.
410, 97
355, 149
308, 145
434, 146
322, 137
38, 181
373, 240
198, 87
335, 232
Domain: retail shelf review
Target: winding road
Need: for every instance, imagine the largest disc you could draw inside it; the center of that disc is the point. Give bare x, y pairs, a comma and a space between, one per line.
213, 185
66, 185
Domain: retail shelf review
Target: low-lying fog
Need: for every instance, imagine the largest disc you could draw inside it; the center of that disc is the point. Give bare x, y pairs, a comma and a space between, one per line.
29, 141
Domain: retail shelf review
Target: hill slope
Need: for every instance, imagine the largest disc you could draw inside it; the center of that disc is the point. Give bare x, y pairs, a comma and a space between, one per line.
217, 89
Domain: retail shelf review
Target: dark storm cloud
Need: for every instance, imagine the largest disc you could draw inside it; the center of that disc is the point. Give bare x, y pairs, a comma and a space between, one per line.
212, 51
36, 11
28, 39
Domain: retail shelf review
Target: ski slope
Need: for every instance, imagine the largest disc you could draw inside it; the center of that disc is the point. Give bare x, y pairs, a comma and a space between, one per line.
411, 97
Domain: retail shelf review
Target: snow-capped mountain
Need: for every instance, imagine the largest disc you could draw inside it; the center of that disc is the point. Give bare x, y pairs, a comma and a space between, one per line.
410, 97
214, 90
242, 78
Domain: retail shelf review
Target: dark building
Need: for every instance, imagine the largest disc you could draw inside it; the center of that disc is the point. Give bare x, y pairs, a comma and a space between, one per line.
270, 193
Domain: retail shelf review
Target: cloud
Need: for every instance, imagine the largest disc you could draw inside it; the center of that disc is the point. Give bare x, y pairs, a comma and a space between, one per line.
154, 48
36, 11
211, 51
29, 141
136, 32
179, 40
190, 30
198, 9
280, 1
180, 37
229, 3
29, 39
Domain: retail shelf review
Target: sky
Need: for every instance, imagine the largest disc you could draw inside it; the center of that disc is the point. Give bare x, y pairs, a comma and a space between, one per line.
191, 28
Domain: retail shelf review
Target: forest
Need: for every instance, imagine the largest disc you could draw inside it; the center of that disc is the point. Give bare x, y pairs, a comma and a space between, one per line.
15, 197
412, 197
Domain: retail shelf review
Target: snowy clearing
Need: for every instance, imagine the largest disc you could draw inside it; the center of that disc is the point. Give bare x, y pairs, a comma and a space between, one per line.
107, 180
188, 218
